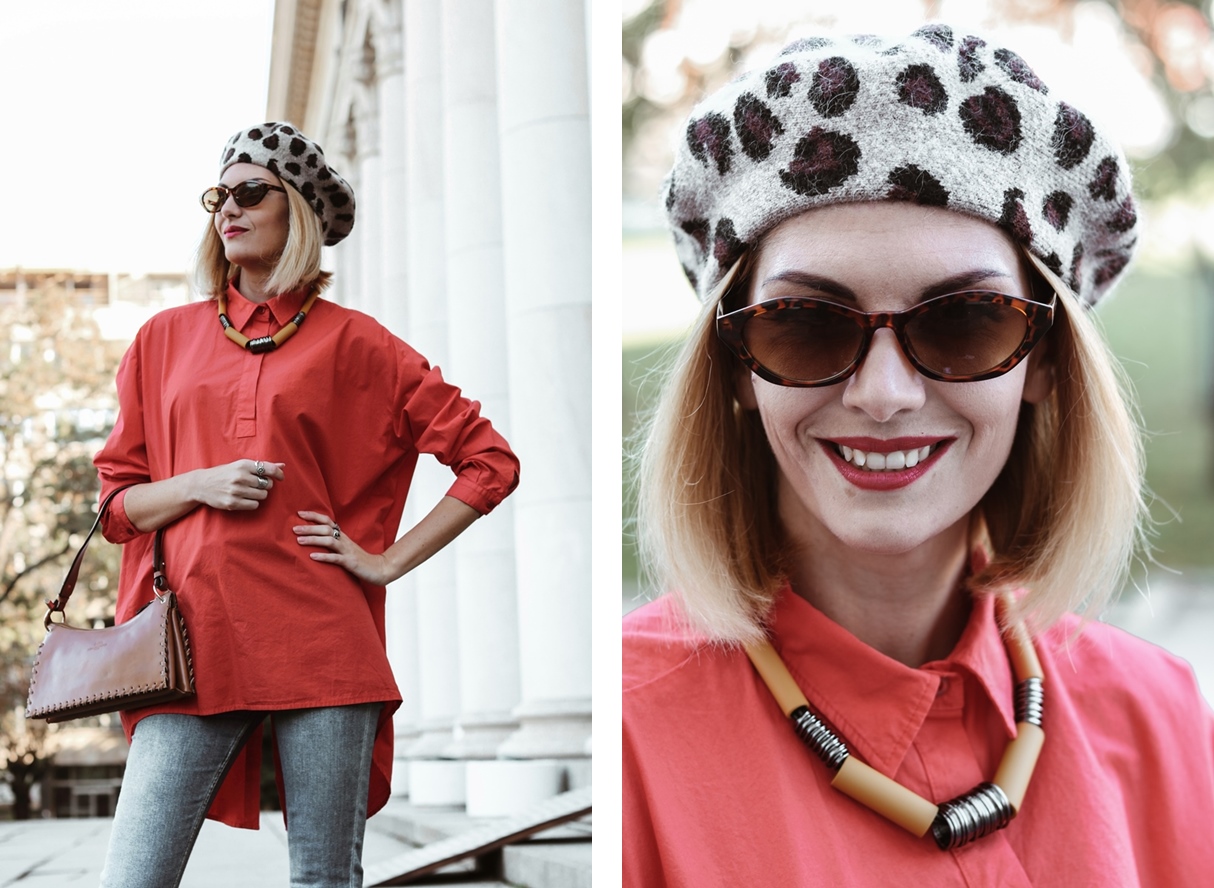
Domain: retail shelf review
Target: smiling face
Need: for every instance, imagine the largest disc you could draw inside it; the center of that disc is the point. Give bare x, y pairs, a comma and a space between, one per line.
253, 237
887, 459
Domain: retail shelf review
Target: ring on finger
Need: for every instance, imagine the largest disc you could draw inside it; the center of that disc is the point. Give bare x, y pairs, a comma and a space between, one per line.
263, 483
260, 469
336, 532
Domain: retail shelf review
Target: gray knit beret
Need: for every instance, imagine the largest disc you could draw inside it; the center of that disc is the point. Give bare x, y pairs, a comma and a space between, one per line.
286, 152
939, 118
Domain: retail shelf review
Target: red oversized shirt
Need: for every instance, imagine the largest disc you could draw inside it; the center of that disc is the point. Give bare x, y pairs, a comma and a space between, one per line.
718, 790
347, 407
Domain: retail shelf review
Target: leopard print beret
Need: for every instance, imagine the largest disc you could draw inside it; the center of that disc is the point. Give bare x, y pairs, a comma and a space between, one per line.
286, 152
938, 118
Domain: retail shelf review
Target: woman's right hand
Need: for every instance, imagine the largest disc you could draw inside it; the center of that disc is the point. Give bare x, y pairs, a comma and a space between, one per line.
236, 486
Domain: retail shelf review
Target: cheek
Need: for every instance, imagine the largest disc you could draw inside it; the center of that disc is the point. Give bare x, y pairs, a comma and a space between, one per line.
992, 409
785, 410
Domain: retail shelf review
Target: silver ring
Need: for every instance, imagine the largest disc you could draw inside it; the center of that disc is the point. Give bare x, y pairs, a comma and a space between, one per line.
259, 469
263, 483
336, 532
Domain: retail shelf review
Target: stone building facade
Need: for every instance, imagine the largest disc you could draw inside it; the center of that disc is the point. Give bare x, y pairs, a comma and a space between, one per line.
463, 126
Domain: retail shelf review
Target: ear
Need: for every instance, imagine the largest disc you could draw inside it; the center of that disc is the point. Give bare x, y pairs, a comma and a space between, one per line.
744, 390
1039, 379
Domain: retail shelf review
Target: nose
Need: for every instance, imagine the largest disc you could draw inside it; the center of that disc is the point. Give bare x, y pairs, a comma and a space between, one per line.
886, 383
229, 206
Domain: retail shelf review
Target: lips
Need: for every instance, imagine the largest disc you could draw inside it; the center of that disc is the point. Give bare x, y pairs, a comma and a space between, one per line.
884, 464
233, 231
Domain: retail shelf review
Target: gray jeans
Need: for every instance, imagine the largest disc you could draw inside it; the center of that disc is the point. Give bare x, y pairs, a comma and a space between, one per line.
177, 762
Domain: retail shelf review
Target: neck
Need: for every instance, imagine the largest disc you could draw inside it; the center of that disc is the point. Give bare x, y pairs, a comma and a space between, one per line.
911, 606
252, 285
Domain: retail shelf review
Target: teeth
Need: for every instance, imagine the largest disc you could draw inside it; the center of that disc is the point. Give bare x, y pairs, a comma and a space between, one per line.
885, 462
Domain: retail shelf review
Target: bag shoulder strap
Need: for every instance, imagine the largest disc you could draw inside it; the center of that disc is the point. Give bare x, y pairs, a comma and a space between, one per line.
59, 602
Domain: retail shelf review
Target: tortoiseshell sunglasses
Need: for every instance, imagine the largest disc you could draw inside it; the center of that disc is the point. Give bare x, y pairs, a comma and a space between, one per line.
958, 337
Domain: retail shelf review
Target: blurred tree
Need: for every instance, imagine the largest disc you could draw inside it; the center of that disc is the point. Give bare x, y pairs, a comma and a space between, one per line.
57, 404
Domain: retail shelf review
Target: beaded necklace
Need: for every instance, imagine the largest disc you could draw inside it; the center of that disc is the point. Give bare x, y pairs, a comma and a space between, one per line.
984, 809
263, 343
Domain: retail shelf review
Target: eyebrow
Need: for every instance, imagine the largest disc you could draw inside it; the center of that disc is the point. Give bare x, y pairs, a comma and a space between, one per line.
952, 284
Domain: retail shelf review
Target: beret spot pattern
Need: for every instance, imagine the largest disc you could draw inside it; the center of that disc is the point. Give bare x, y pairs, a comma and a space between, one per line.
823, 160
939, 36
969, 63
911, 183
1057, 208
698, 229
725, 246
835, 87
919, 87
1104, 183
757, 127
1014, 220
1018, 69
781, 79
993, 120
1073, 135
279, 148
709, 139
939, 118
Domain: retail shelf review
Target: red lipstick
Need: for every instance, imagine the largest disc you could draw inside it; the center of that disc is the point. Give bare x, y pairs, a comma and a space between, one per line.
884, 480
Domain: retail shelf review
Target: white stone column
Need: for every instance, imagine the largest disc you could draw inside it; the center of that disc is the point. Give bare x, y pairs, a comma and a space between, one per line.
369, 197
393, 153
545, 149
347, 256
430, 780
485, 568
401, 607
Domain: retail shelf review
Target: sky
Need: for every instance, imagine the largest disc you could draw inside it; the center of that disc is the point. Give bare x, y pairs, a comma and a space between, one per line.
112, 119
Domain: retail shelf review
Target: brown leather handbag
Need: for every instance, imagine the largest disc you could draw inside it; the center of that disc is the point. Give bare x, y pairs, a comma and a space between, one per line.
146, 660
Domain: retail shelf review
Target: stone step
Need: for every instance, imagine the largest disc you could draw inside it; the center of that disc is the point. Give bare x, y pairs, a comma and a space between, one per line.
557, 857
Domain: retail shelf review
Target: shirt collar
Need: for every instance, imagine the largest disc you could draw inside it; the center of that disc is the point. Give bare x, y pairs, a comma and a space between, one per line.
877, 704
283, 307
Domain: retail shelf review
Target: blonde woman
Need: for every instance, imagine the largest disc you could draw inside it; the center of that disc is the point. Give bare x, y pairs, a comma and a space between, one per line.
891, 465
274, 435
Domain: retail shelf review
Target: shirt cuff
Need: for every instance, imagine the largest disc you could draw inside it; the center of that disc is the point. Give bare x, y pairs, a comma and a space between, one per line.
115, 525
472, 494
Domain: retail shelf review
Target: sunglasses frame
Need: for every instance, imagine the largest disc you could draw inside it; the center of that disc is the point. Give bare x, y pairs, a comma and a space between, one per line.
227, 192
1039, 317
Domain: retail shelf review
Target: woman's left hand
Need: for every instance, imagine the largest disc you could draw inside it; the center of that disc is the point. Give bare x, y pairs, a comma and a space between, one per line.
324, 533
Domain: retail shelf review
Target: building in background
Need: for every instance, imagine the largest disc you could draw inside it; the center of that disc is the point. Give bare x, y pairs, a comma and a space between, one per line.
463, 127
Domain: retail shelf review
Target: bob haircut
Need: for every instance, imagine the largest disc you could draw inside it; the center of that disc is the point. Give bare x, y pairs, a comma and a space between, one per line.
297, 267
1066, 515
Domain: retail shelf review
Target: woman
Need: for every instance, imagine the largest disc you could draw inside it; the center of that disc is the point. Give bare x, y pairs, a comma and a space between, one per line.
275, 434
893, 449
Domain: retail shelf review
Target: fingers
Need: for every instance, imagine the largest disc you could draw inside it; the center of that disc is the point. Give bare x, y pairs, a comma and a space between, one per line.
322, 531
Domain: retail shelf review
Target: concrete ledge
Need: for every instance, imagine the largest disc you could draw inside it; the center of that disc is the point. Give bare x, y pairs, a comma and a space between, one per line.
436, 782
547, 864
505, 788
557, 858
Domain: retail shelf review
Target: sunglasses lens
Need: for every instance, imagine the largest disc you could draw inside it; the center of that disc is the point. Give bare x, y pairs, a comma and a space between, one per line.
213, 198
965, 338
803, 343
249, 194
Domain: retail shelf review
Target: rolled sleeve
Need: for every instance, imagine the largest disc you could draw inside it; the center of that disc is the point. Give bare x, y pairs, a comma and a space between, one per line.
123, 460
439, 420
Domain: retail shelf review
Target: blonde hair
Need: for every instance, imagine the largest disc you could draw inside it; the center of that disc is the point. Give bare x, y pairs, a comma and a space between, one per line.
297, 267
1066, 515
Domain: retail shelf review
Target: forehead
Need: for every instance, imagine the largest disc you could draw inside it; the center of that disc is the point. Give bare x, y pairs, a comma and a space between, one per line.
871, 246
242, 172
